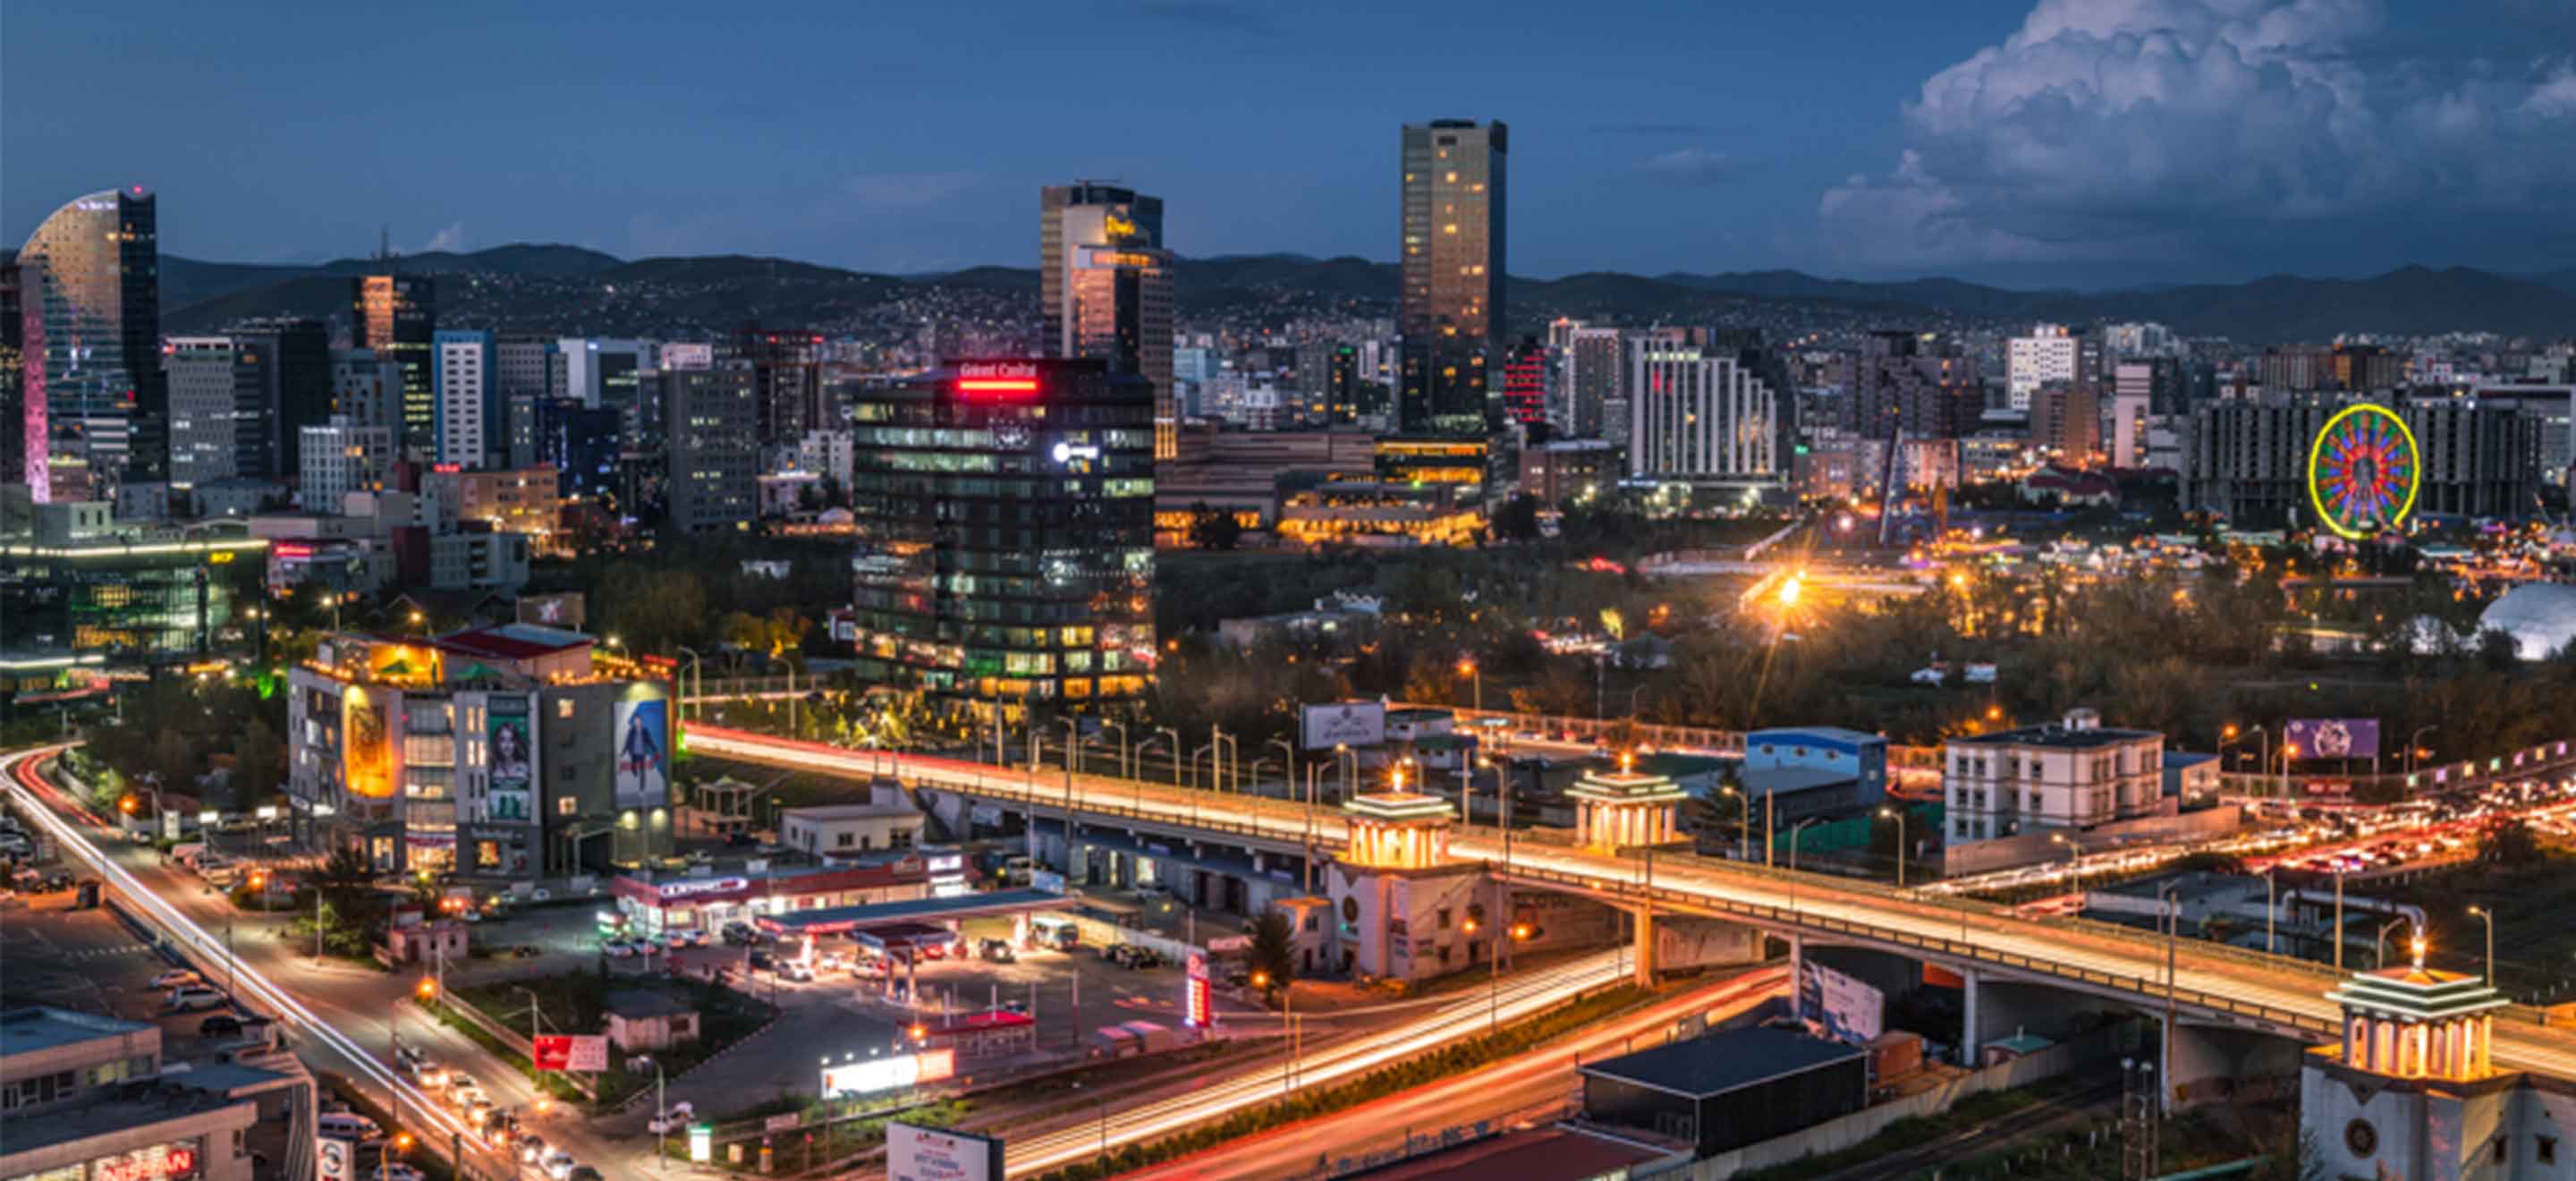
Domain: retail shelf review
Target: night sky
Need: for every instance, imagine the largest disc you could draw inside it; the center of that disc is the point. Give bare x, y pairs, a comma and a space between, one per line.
2085, 142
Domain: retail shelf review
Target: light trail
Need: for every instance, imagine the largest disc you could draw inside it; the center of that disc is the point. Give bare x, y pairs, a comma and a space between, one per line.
32, 792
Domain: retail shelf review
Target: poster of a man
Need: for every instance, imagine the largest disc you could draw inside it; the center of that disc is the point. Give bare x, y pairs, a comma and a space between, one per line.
643, 754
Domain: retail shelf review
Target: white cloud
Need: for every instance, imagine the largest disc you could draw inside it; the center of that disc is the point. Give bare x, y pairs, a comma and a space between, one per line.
2149, 128
450, 239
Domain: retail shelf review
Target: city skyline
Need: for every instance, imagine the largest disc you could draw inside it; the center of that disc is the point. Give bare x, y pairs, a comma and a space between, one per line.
2088, 145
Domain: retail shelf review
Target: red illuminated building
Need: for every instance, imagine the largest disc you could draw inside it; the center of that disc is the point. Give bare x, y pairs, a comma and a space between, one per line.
1525, 383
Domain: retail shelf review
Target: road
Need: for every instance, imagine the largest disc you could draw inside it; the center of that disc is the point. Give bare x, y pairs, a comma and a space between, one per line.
1537, 1084
2272, 992
342, 1015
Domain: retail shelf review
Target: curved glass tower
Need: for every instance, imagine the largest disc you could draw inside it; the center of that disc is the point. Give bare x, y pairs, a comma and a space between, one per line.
91, 276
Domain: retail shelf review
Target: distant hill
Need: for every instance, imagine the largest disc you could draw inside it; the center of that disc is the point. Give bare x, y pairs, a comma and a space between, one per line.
569, 288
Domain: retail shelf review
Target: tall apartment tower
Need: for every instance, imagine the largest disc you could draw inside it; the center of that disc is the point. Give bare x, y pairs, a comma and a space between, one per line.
1450, 307
91, 297
2049, 353
468, 422
1105, 283
397, 317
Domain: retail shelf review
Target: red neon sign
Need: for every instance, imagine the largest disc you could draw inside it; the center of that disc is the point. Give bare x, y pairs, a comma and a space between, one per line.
998, 385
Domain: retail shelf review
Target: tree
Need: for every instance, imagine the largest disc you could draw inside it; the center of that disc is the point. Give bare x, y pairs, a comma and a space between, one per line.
1518, 519
2510, 843
1273, 950
259, 762
1213, 530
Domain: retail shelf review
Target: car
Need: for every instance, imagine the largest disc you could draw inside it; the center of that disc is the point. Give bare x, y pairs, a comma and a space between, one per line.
432, 1076
560, 1165
1015, 1006
531, 1149
480, 1113
619, 949
672, 1119
583, 1173
176, 978
192, 997
410, 1058
796, 970
762, 960
396, 1171
60, 879
220, 1025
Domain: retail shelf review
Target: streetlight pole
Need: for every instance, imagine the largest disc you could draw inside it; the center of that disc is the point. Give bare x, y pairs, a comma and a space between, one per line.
1125, 770
1476, 671
699, 671
661, 1118
1898, 814
1072, 760
1291, 749
2338, 923
2379, 953
2411, 740
1794, 830
1175, 748
2489, 917
1770, 829
2271, 910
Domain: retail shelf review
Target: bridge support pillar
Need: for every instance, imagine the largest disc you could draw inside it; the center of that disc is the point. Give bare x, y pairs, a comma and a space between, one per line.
1645, 947
1797, 974
1970, 1034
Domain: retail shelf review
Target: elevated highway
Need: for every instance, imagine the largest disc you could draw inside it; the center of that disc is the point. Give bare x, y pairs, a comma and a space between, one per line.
2194, 981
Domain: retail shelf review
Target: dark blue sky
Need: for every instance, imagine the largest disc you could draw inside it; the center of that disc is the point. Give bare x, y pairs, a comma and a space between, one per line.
2092, 142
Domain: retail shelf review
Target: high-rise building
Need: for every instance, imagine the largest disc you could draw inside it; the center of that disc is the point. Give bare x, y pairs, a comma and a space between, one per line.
2048, 354
1911, 382
1105, 288
367, 389
523, 368
207, 410
397, 316
1596, 374
599, 371
340, 457
1708, 408
293, 358
787, 381
91, 292
1525, 384
1005, 552
582, 443
468, 399
713, 426
15, 423
1450, 304
2066, 418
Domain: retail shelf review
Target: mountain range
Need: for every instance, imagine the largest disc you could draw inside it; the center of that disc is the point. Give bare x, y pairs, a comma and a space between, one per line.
573, 289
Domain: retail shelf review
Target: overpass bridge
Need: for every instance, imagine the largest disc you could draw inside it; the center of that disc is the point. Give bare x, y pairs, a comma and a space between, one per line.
2191, 983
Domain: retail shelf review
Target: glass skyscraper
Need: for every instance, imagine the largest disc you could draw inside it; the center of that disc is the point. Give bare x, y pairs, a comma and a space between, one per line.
1005, 517
397, 316
1450, 309
91, 282
1105, 283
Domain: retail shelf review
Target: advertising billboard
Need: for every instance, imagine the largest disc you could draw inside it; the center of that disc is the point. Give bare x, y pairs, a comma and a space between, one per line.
1197, 1008
937, 1154
1845, 1009
887, 1074
571, 1051
1343, 723
335, 1159
511, 756
366, 746
643, 753
559, 610
2334, 738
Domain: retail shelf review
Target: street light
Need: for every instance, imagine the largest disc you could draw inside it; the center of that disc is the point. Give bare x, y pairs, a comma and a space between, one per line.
2411, 741
1898, 815
1288, 1020
2379, 955
1468, 668
2074, 864
1794, 830
1290, 749
661, 1115
1743, 822
2489, 917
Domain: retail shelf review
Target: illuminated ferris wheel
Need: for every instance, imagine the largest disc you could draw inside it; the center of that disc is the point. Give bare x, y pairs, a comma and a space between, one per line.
2364, 471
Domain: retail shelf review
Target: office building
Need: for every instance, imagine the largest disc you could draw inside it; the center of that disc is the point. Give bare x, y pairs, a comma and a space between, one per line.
829, 454
600, 371
367, 389
396, 316
2063, 776
581, 443
466, 387
76, 582
2066, 420
1450, 309
2128, 342
2049, 353
340, 457
2129, 429
15, 423
714, 440
494, 753
1914, 383
1105, 288
1562, 471
1005, 534
523, 368
293, 359
2248, 459
1525, 385
90, 293
527, 501
205, 408
1707, 409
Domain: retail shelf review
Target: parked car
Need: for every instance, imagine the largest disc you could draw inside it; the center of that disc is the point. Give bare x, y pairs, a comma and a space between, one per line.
190, 998
220, 1025
584, 1173
176, 978
673, 1119
997, 950
796, 970
396, 1171
619, 949
762, 961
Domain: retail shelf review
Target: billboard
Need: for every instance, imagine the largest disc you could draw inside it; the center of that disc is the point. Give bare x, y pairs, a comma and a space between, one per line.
1843, 1008
335, 1159
571, 1051
1343, 723
1196, 1007
937, 1154
887, 1074
511, 756
561, 610
643, 753
2334, 738
366, 746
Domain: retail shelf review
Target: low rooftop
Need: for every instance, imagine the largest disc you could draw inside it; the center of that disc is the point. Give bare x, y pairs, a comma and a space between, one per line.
1723, 1062
44, 1027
